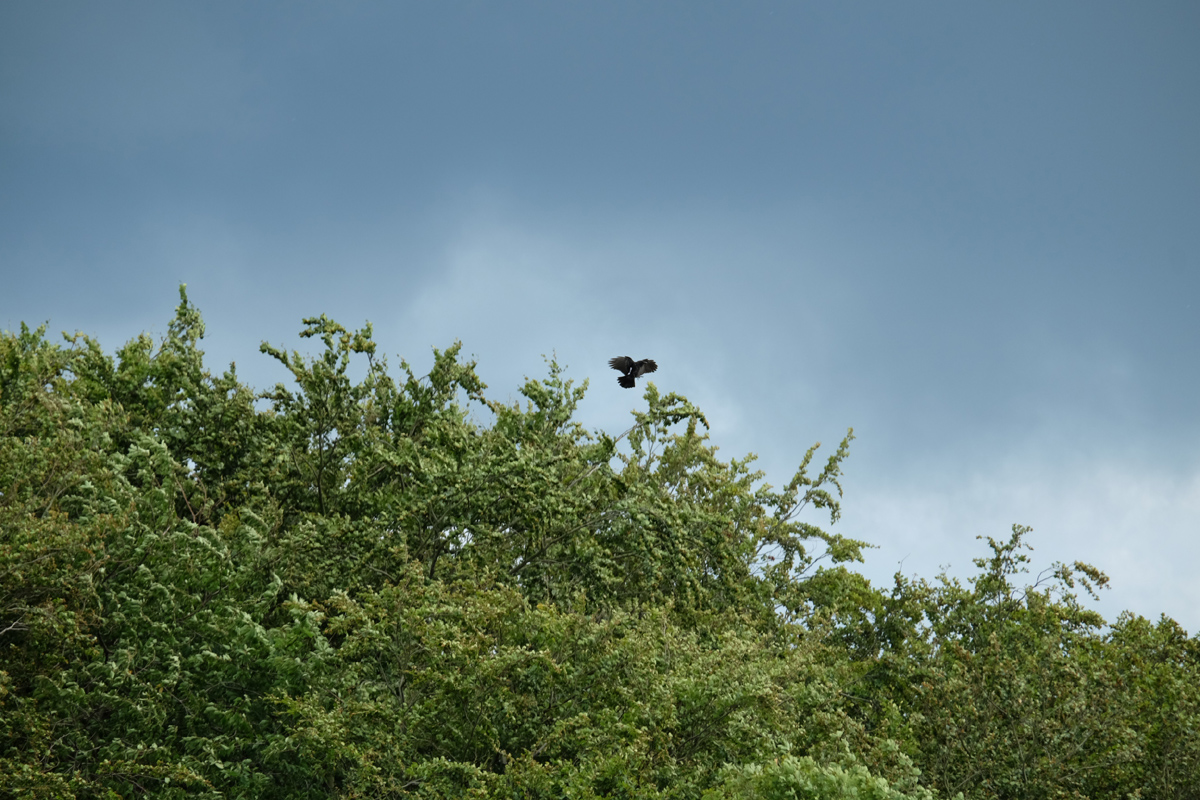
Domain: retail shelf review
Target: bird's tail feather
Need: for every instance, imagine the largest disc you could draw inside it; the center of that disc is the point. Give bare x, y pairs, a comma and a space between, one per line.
626, 381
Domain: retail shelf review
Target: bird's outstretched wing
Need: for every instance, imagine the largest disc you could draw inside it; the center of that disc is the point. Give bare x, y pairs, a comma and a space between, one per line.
621, 364
631, 369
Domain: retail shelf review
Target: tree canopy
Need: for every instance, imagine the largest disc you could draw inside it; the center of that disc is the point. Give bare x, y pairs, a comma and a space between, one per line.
396, 587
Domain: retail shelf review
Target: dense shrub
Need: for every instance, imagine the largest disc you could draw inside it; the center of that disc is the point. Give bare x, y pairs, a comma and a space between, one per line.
399, 587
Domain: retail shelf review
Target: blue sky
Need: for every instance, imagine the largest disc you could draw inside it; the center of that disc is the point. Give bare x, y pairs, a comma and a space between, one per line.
969, 231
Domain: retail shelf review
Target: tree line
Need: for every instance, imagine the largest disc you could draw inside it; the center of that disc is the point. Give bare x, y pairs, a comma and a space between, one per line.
399, 587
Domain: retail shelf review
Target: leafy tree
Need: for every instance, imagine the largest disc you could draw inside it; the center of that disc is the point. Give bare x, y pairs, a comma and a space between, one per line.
1009, 691
396, 586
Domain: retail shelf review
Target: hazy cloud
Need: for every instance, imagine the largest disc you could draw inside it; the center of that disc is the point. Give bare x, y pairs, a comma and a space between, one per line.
121, 74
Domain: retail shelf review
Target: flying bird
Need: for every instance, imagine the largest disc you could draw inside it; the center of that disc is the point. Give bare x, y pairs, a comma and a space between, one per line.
631, 369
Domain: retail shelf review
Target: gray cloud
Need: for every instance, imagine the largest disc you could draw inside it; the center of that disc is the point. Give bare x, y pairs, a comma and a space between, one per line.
122, 75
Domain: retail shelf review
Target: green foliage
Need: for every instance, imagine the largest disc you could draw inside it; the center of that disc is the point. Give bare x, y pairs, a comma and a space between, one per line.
792, 778
357, 588
1020, 692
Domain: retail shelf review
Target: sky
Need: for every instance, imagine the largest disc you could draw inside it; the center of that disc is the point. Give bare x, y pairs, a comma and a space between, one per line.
969, 231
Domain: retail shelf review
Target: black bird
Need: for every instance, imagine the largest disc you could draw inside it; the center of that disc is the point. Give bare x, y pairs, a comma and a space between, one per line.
631, 369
